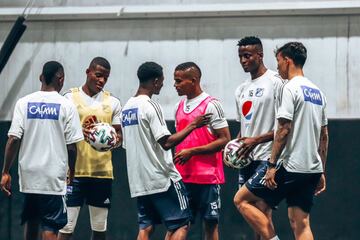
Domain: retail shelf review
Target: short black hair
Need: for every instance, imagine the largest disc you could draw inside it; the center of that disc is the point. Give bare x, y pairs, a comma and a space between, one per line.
250, 40
148, 71
186, 65
295, 51
100, 61
49, 71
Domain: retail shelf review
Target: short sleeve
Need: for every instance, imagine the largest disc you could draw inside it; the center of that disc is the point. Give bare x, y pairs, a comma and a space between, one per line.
287, 104
217, 120
237, 99
17, 124
116, 118
73, 130
324, 120
157, 121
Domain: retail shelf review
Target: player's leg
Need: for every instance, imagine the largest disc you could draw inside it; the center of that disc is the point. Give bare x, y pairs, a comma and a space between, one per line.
300, 201
98, 195
300, 223
74, 201
30, 217
48, 235
211, 230
145, 233
31, 230
66, 232
254, 191
178, 234
244, 176
209, 207
53, 215
266, 209
245, 201
98, 222
173, 208
147, 217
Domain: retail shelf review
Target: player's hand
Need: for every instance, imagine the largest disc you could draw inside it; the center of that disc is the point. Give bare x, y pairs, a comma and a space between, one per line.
87, 126
118, 140
270, 178
202, 120
6, 184
249, 144
183, 156
321, 187
70, 177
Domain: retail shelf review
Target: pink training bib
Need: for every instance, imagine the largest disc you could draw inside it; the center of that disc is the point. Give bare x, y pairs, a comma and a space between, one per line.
200, 169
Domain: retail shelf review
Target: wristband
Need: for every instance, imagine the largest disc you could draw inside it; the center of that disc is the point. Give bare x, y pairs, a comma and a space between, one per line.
271, 165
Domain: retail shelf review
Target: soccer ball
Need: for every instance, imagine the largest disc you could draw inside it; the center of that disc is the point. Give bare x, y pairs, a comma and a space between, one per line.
102, 137
231, 157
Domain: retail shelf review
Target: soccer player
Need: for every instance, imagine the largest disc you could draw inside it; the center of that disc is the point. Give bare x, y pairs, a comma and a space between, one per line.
45, 128
199, 158
301, 143
93, 171
153, 178
255, 105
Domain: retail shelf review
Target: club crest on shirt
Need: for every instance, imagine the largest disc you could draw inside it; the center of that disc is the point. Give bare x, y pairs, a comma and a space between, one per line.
259, 92
42, 110
312, 95
129, 117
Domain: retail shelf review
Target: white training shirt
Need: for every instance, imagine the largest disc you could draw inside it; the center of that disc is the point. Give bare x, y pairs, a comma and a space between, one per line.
98, 99
217, 119
255, 105
46, 122
304, 104
150, 168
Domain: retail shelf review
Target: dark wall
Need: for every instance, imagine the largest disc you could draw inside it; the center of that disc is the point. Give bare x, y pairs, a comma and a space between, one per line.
336, 214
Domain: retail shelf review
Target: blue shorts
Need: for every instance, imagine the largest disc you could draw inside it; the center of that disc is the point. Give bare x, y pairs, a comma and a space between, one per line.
93, 191
247, 172
49, 209
170, 207
205, 199
297, 188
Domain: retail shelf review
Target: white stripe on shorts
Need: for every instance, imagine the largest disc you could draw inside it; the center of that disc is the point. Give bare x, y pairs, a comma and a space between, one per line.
181, 197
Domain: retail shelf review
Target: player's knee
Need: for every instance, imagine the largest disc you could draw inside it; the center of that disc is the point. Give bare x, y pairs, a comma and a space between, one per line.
98, 218
297, 223
72, 213
239, 202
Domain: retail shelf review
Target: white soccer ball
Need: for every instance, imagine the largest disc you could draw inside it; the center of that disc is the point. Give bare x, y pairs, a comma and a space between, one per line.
231, 157
102, 137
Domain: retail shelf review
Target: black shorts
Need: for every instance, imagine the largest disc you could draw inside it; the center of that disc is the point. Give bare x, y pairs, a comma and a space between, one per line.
49, 209
297, 188
93, 191
170, 207
205, 199
247, 172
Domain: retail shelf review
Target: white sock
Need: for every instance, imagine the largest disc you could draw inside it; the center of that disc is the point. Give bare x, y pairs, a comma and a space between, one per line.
275, 238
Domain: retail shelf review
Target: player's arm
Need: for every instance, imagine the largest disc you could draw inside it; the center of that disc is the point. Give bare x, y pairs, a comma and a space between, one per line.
323, 146
118, 135
223, 137
11, 150
72, 152
281, 136
169, 141
249, 143
219, 128
323, 150
116, 121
